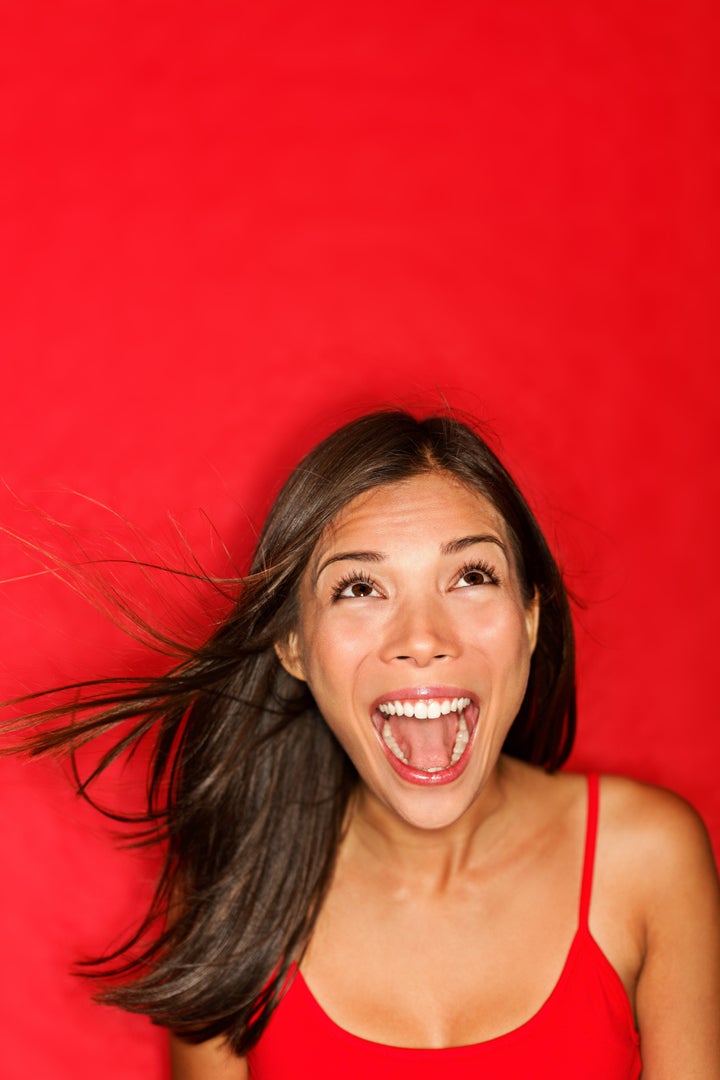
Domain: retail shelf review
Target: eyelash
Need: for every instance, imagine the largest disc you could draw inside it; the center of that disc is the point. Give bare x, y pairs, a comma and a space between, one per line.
481, 567
359, 577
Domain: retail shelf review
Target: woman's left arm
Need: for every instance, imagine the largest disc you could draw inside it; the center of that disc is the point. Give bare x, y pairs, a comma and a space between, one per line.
678, 992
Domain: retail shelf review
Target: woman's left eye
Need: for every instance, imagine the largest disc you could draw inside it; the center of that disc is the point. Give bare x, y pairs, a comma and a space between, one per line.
476, 575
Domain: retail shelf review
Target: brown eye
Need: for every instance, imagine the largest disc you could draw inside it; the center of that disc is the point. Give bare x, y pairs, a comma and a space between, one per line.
476, 575
356, 587
359, 588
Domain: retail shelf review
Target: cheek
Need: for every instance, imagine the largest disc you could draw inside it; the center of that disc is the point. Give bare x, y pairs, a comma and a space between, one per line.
504, 640
333, 658
327, 661
334, 648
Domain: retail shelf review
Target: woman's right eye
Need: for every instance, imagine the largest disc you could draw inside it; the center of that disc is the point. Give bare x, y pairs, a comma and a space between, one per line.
356, 587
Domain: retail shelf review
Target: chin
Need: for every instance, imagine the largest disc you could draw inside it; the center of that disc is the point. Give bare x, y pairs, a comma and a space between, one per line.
428, 808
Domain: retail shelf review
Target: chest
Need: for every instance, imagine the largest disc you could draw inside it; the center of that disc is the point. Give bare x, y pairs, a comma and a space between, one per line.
460, 968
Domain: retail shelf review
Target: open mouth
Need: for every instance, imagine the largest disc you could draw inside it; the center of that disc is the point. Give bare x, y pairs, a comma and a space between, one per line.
426, 738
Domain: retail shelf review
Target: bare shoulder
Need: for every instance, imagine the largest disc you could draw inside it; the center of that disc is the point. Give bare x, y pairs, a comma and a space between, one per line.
661, 832
650, 827
211, 1060
657, 858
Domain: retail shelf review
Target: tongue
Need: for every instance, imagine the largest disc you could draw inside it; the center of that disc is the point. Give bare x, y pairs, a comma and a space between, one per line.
427, 744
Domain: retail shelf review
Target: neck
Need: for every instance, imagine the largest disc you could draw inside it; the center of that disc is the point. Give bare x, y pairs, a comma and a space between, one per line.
430, 858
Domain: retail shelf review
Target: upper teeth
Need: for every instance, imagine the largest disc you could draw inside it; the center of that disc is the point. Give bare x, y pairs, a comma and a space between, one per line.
427, 709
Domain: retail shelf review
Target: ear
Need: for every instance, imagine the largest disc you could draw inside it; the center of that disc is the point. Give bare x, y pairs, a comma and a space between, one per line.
532, 619
288, 653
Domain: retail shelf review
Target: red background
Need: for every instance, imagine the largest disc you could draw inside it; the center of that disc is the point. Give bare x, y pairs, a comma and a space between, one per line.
229, 227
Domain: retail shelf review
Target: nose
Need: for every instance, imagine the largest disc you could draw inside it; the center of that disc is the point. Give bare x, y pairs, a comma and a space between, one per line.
420, 633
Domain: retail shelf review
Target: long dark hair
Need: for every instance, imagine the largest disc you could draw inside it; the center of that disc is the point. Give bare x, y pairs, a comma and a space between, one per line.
248, 789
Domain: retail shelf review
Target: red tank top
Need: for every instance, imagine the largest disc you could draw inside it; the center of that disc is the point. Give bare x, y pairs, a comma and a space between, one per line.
584, 1029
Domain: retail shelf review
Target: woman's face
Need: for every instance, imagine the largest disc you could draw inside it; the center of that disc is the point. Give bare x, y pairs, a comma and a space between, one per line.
415, 640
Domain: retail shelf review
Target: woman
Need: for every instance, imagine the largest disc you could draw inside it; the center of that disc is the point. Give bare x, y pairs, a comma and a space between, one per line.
372, 864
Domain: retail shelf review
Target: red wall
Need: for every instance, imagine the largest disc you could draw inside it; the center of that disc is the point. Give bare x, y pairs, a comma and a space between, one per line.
228, 227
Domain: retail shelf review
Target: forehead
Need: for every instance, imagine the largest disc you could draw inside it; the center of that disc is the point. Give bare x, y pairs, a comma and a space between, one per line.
431, 503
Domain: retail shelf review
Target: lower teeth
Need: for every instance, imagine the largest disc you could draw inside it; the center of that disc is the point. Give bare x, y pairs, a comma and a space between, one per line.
461, 740
391, 743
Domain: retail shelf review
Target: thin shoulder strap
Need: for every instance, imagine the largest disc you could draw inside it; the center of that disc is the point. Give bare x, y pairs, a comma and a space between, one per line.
590, 837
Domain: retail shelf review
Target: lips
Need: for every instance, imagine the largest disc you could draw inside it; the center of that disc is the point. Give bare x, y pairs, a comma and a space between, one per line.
426, 731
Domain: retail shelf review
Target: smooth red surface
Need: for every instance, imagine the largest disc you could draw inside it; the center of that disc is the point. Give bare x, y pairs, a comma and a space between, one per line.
227, 229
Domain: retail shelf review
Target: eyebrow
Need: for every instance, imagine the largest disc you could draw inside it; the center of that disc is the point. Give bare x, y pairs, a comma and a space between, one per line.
350, 556
453, 547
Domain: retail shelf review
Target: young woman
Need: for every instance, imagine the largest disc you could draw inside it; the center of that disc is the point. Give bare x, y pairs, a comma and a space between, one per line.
373, 867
